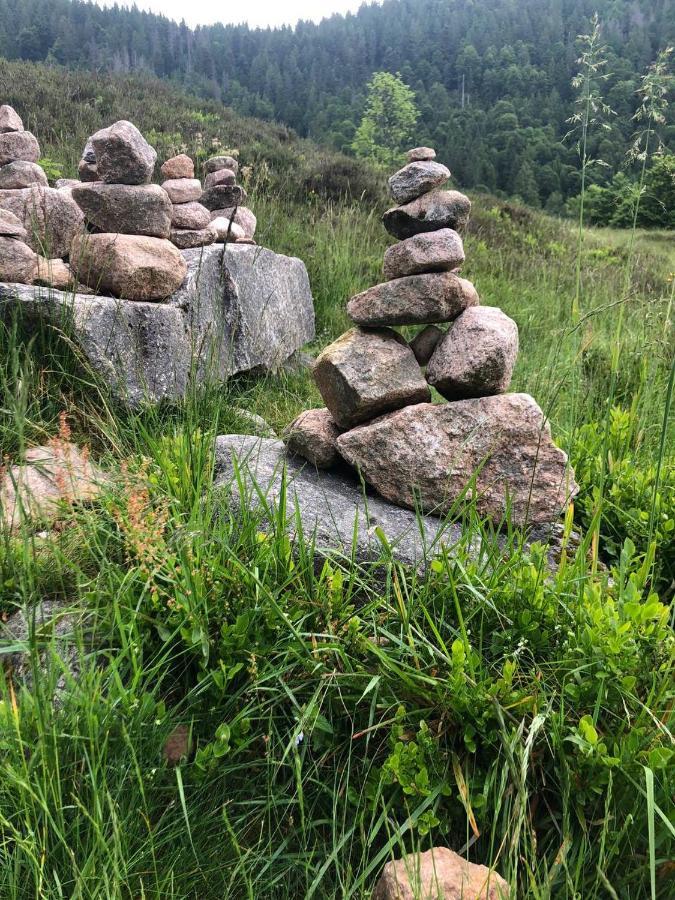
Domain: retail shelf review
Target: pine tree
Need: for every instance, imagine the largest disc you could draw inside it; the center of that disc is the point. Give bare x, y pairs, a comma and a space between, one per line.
388, 120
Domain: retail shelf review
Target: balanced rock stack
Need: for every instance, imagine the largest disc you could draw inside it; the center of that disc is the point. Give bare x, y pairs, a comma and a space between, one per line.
224, 198
126, 251
37, 223
485, 445
190, 221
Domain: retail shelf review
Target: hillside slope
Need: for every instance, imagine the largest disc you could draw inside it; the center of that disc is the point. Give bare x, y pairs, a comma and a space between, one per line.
492, 79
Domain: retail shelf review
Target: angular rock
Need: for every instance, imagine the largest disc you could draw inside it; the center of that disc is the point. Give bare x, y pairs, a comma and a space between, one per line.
190, 215
437, 209
222, 176
21, 174
416, 179
226, 230
430, 454
53, 273
335, 512
477, 356
66, 185
51, 218
238, 309
54, 476
180, 166
131, 266
18, 145
439, 874
216, 163
366, 373
123, 156
10, 120
87, 171
421, 154
183, 190
125, 208
413, 300
424, 343
18, 263
11, 226
313, 435
241, 215
223, 196
433, 252
185, 238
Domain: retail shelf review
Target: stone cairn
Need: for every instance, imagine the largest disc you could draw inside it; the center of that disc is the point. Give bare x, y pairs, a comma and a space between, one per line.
126, 250
37, 223
484, 444
223, 197
190, 220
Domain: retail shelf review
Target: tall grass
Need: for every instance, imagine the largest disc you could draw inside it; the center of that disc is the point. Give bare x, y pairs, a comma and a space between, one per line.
516, 709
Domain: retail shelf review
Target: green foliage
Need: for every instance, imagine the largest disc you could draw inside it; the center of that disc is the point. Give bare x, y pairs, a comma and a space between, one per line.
388, 121
604, 457
491, 79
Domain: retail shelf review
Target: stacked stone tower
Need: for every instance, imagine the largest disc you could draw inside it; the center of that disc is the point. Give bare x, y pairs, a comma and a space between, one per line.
126, 251
485, 445
37, 223
190, 220
225, 198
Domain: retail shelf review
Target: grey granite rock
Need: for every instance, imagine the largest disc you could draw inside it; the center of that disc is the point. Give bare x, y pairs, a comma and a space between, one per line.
51, 218
416, 179
123, 156
237, 309
330, 504
125, 208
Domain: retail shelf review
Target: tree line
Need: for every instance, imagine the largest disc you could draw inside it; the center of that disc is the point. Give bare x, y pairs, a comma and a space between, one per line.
491, 79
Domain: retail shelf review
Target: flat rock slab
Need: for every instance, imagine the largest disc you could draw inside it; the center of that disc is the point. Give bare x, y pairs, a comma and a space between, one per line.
238, 309
333, 508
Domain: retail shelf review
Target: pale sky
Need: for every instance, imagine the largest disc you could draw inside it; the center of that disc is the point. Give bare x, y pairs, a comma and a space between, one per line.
254, 12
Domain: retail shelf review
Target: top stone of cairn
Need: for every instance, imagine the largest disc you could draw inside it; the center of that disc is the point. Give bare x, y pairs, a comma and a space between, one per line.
421, 154
417, 178
123, 156
10, 120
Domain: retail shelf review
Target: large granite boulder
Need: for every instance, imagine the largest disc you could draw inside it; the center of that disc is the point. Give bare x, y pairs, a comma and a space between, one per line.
439, 874
18, 145
247, 307
477, 355
51, 218
128, 265
366, 373
413, 300
438, 209
498, 449
125, 208
237, 309
436, 251
123, 156
21, 174
335, 511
